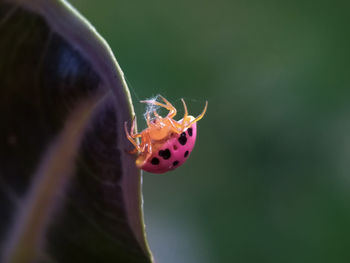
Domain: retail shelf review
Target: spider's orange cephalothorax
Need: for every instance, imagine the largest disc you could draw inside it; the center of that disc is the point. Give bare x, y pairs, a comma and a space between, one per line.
160, 130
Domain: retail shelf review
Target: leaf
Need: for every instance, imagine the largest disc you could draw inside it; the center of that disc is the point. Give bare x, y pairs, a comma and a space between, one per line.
69, 191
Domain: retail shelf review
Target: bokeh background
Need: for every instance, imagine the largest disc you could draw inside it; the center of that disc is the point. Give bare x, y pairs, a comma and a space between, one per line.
269, 178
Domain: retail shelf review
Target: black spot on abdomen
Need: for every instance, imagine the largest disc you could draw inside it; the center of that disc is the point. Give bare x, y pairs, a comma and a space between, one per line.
175, 163
189, 130
165, 154
155, 161
186, 154
182, 139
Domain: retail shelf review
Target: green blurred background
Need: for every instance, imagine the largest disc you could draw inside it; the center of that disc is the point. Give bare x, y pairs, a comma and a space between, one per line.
268, 180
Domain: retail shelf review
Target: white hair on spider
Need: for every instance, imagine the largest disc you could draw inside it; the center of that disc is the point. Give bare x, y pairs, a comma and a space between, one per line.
151, 108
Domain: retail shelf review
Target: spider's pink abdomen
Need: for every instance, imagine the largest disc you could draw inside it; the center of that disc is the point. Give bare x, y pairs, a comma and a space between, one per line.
173, 153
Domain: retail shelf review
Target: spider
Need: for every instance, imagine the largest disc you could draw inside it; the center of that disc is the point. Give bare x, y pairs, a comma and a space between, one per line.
165, 143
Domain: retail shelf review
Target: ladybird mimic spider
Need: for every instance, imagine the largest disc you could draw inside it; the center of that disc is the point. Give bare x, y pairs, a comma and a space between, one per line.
163, 132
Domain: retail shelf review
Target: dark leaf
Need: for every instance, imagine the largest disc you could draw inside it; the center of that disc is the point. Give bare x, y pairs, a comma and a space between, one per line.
69, 191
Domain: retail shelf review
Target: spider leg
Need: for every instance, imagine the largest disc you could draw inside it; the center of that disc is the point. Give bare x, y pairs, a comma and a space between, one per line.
146, 147
148, 119
142, 147
167, 105
172, 109
134, 136
175, 126
200, 116
156, 114
132, 129
131, 137
144, 153
185, 115
145, 142
154, 102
